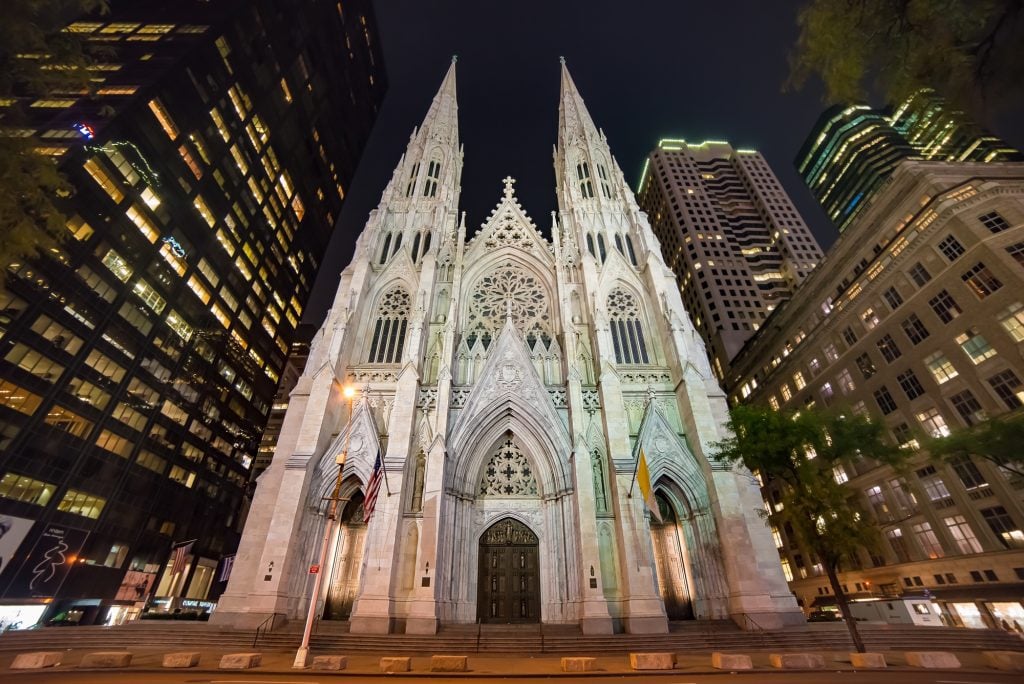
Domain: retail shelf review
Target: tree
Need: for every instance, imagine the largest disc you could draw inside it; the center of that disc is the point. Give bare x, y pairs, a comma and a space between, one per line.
799, 451
971, 51
997, 440
37, 60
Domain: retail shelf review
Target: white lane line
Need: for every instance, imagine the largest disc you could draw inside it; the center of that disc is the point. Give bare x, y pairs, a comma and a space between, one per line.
254, 681
957, 681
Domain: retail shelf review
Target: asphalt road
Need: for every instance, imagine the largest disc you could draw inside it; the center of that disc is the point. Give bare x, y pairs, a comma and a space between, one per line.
891, 677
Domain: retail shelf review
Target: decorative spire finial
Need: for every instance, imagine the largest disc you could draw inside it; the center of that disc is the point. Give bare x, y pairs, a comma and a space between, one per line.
455, 58
508, 181
561, 60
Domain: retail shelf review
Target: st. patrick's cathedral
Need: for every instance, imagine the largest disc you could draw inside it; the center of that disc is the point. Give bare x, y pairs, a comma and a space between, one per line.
509, 383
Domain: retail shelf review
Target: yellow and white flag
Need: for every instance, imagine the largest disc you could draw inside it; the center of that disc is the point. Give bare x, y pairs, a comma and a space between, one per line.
643, 480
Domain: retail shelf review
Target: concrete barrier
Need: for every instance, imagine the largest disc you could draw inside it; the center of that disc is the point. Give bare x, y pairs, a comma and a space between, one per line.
651, 661
182, 659
36, 660
449, 663
240, 661
330, 662
867, 661
1012, 661
797, 661
932, 659
731, 661
106, 659
579, 664
395, 664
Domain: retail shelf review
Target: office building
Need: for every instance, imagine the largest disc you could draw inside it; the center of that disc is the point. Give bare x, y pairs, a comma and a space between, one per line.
852, 150
730, 233
915, 317
141, 355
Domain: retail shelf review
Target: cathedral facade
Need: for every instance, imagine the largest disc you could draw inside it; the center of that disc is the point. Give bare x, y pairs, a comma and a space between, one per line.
508, 383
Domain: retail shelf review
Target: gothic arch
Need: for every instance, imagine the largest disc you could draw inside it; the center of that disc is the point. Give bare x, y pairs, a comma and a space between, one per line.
619, 296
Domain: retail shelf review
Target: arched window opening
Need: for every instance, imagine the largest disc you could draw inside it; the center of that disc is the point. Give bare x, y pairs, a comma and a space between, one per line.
390, 328
618, 244
433, 176
629, 247
384, 251
583, 176
415, 247
426, 242
601, 247
605, 186
398, 244
411, 187
627, 333
590, 244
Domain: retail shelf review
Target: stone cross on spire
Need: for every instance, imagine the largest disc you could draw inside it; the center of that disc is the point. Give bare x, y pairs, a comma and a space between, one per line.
508, 181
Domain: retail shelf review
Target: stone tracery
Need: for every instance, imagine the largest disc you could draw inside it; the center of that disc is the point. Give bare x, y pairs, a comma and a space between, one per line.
508, 473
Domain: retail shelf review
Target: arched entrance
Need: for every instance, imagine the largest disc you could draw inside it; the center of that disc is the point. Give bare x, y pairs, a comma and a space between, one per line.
509, 577
669, 559
346, 561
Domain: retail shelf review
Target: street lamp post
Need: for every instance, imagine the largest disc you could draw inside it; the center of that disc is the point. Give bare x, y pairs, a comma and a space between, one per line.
302, 655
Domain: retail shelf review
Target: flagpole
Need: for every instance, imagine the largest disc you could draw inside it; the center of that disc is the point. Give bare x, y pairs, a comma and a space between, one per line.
302, 654
387, 487
636, 468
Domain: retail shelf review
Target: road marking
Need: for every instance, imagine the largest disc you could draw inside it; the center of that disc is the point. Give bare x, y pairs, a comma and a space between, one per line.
956, 681
254, 681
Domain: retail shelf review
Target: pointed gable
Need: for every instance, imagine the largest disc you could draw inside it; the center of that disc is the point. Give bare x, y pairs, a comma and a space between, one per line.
668, 454
509, 226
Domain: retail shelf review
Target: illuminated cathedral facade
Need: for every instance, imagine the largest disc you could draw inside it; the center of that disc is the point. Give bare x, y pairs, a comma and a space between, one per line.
509, 382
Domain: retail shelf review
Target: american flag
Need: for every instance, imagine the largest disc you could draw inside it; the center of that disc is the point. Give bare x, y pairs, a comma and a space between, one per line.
178, 556
372, 487
226, 565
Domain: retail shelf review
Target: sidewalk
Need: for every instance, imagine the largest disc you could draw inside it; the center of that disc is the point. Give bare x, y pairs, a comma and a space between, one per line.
503, 665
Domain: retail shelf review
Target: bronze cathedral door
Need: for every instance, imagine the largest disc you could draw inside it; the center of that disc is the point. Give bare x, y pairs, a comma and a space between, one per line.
509, 575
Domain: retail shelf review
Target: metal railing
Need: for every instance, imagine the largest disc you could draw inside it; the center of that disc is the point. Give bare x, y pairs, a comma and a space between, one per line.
265, 627
752, 625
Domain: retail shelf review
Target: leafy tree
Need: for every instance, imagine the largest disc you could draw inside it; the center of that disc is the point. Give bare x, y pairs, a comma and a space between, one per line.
799, 451
37, 59
997, 440
971, 51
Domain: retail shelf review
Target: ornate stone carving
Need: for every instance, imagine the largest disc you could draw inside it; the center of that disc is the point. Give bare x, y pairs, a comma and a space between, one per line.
508, 532
508, 474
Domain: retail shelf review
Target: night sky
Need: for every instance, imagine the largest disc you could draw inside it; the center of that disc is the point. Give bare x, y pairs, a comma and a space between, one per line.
647, 69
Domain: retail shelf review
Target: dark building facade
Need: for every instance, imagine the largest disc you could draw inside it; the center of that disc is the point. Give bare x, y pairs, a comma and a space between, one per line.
293, 367
852, 150
140, 358
731, 234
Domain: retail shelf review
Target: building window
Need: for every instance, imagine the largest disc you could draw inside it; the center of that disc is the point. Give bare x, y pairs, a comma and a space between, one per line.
849, 336
933, 423
928, 541
934, 487
22, 488
1017, 252
898, 544
390, 328
968, 407
798, 380
605, 187
627, 332
951, 248
940, 367
994, 222
892, 298
885, 400
944, 306
1006, 385
785, 392
1007, 531
410, 187
865, 365
629, 248
981, 281
877, 500
385, 251
975, 346
81, 503
910, 385
887, 346
1012, 319
914, 329
845, 381
433, 176
870, 318
831, 354
163, 118
962, 534
919, 274
968, 473
583, 176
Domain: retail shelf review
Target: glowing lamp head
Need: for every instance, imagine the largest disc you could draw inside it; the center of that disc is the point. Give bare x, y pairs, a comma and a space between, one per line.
349, 391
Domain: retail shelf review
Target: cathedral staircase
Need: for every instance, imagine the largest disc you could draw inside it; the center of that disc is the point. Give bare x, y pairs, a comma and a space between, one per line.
683, 637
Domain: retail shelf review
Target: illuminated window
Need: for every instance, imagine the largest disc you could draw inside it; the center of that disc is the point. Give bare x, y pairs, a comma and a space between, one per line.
68, 421
104, 180
220, 315
1012, 319
143, 223
975, 346
163, 118
149, 296
284, 89
175, 261
940, 367
182, 476
798, 380
176, 323
929, 542
786, 393
117, 265
33, 362
222, 128
204, 210
933, 423
224, 49
78, 228
26, 489
190, 161
197, 286
114, 443
981, 281
226, 242
150, 461
18, 398
1006, 530
53, 104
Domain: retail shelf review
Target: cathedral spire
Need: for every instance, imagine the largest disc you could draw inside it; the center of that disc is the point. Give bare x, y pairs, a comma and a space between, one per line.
574, 120
443, 115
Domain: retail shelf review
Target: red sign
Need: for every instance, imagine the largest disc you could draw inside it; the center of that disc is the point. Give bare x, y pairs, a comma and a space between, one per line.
314, 569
